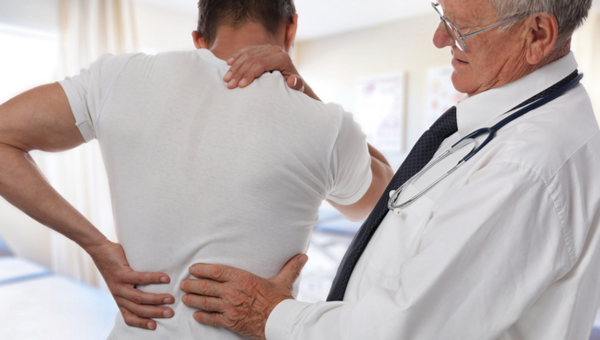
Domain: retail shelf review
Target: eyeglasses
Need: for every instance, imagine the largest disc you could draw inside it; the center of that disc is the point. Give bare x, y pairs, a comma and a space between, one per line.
454, 33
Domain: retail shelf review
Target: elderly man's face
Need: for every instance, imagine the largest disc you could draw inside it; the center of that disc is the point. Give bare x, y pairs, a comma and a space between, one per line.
492, 58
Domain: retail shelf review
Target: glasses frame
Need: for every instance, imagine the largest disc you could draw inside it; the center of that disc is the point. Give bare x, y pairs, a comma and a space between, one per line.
462, 45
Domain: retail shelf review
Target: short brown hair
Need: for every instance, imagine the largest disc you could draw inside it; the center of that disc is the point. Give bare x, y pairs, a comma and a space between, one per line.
235, 13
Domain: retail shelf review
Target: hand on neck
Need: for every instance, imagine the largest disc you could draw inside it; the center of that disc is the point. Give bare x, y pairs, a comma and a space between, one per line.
229, 40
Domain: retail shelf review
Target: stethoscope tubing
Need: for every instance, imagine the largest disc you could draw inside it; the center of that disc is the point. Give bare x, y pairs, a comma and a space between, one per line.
470, 138
539, 103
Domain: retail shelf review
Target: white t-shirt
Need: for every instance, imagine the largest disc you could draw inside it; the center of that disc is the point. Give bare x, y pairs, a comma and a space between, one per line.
201, 173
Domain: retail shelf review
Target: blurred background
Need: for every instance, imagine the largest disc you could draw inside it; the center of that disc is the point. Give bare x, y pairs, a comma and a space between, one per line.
374, 57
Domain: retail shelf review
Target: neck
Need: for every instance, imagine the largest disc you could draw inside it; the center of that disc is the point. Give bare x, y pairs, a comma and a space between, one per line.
557, 53
230, 40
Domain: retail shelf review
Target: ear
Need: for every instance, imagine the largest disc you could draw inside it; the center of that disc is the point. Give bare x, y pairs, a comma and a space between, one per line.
290, 33
199, 41
542, 33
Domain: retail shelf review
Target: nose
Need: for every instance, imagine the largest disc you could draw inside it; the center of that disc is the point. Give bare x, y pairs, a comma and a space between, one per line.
441, 38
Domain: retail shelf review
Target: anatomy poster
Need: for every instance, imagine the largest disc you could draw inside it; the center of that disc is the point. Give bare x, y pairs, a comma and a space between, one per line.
380, 111
441, 94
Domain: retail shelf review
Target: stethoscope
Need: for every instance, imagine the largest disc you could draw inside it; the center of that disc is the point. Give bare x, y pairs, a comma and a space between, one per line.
469, 140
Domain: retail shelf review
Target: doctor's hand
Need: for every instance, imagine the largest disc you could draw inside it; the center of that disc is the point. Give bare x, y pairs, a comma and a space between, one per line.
137, 307
236, 299
251, 62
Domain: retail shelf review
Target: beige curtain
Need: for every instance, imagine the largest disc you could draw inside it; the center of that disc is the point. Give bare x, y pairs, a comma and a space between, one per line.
89, 28
586, 46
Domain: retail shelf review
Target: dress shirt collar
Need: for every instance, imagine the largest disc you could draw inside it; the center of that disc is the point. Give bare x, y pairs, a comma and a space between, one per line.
473, 112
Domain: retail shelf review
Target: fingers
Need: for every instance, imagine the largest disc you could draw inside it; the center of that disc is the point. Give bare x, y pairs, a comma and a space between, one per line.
144, 311
253, 62
207, 303
238, 76
143, 298
246, 49
252, 69
135, 321
201, 287
212, 319
144, 278
215, 272
290, 272
296, 82
241, 62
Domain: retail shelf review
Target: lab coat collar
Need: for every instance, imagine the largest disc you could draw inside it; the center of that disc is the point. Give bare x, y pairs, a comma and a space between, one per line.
474, 112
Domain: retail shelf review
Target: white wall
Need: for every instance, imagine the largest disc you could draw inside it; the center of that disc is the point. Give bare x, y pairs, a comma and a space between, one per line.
161, 30
22, 234
586, 46
39, 14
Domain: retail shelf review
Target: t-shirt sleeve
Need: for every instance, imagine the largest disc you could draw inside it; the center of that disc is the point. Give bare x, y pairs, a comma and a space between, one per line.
350, 170
88, 91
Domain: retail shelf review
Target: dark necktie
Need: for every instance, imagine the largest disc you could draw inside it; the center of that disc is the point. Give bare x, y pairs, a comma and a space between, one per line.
418, 157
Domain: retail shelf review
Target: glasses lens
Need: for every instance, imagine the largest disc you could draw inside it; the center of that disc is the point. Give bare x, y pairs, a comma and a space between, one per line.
452, 31
456, 37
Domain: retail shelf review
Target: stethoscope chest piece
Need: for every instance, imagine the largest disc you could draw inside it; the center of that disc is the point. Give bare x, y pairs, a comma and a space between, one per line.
397, 207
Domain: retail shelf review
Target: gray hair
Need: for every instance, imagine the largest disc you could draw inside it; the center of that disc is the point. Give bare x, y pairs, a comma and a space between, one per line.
570, 14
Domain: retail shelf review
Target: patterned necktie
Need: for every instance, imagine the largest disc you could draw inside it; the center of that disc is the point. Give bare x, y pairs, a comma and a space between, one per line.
418, 157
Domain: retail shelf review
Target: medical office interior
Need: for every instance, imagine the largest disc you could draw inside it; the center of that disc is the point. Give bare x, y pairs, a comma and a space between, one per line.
373, 57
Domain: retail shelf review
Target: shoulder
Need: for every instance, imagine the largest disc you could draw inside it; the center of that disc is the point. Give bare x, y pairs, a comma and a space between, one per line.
547, 138
559, 146
109, 63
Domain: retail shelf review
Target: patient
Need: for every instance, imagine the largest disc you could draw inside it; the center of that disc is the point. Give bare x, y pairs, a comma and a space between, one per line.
197, 172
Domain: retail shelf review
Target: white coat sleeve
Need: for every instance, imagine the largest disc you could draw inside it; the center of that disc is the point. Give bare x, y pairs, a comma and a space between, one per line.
474, 273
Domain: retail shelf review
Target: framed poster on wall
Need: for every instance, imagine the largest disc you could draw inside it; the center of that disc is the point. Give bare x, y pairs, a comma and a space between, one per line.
380, 103
441, 94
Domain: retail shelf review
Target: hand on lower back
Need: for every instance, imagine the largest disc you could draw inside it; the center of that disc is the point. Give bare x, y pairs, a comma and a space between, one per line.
236, 299
138, 308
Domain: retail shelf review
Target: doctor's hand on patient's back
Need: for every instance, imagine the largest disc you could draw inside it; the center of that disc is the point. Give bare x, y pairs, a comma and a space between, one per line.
137, 307
251, 62
236, 299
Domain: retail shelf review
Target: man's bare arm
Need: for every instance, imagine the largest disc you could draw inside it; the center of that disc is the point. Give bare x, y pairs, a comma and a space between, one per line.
41, 119
382, 174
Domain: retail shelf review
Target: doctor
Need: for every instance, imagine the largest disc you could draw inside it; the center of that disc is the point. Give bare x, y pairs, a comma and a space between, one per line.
505, 247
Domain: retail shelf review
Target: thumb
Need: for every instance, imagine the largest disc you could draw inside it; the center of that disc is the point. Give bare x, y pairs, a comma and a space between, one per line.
296, 82
290, 272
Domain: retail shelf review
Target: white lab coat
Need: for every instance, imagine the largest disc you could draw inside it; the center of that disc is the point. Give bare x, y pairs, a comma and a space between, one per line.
507, 247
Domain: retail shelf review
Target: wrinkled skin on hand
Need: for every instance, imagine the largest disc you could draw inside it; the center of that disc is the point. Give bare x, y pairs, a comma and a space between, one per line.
236, 299
137, 307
